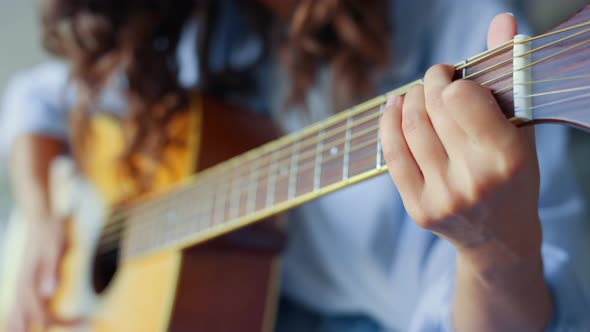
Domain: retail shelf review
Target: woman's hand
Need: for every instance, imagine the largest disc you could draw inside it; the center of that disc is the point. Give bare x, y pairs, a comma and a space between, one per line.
39, 277
46, 238
463, 170
469, 175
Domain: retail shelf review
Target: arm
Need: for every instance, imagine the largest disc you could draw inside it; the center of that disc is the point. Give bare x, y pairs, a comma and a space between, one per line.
30, 161
33, 128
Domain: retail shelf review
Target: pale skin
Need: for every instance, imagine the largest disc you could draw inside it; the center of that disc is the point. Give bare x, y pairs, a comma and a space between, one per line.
29, 169
463, 171
467, 174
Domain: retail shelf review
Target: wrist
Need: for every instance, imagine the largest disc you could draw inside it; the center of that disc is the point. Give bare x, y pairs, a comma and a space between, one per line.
505, 247
508, 296
500, 266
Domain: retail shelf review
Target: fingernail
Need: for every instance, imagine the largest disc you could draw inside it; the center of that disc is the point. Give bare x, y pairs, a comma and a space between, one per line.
509, 13
48, 286
393, 101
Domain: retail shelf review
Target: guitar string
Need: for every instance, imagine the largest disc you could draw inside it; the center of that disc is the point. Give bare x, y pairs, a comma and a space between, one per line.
245, 189
560, 101
365, 120
537, 49
372, 140
311, 142
551, 80
111, 241
554, 92
535, 38
507, 74
509, 44
108, 243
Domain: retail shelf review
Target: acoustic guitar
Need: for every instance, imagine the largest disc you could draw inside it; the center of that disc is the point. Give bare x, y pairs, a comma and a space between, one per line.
194, 256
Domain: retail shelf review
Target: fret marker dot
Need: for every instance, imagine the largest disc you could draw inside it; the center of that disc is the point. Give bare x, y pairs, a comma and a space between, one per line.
333, 150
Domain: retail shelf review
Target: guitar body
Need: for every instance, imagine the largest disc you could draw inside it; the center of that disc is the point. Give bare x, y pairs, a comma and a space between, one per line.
225, 284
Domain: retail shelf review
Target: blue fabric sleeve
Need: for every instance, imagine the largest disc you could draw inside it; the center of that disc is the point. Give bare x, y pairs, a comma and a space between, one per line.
33, 103
37, 100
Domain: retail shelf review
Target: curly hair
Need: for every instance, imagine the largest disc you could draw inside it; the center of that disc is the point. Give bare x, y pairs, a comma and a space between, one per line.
100, 38
351, 37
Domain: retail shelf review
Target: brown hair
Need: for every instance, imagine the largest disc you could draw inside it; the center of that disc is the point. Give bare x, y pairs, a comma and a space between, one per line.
350, 36
100, 38
136, 37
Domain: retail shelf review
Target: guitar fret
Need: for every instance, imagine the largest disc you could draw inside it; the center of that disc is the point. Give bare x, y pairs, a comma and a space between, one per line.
206, 219
379, 148
253, 186
464, 71
318, 161
234, 195
270, 188
346, 157
170, 223
293, 169
219, 202
182, 202
201, 214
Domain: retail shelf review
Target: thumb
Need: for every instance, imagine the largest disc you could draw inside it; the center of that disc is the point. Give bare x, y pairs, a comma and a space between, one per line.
48, 278
501, 29
51, 266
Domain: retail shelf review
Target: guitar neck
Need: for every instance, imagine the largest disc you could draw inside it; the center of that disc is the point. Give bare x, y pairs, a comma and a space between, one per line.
328, 156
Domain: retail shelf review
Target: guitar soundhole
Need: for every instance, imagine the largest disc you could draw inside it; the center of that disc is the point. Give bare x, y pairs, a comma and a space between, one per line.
106, 260
105, 267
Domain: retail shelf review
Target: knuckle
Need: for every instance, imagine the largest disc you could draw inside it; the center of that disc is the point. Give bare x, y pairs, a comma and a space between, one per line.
391, 154
475, 192
458, 91
409, 125
414, 208
419, 216
510, 165
434, 103
413, 93
436, 71
453, 205
432, 221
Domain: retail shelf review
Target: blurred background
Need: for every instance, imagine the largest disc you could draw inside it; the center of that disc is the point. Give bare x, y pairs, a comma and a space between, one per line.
21, 49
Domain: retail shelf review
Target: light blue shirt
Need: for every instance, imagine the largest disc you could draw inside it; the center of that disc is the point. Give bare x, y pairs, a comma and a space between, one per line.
356, 250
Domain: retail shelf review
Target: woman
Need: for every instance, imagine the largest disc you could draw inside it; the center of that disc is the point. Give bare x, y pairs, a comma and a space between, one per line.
348, 266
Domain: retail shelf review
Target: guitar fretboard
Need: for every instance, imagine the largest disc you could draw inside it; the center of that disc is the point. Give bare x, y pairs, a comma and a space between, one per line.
278, 176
